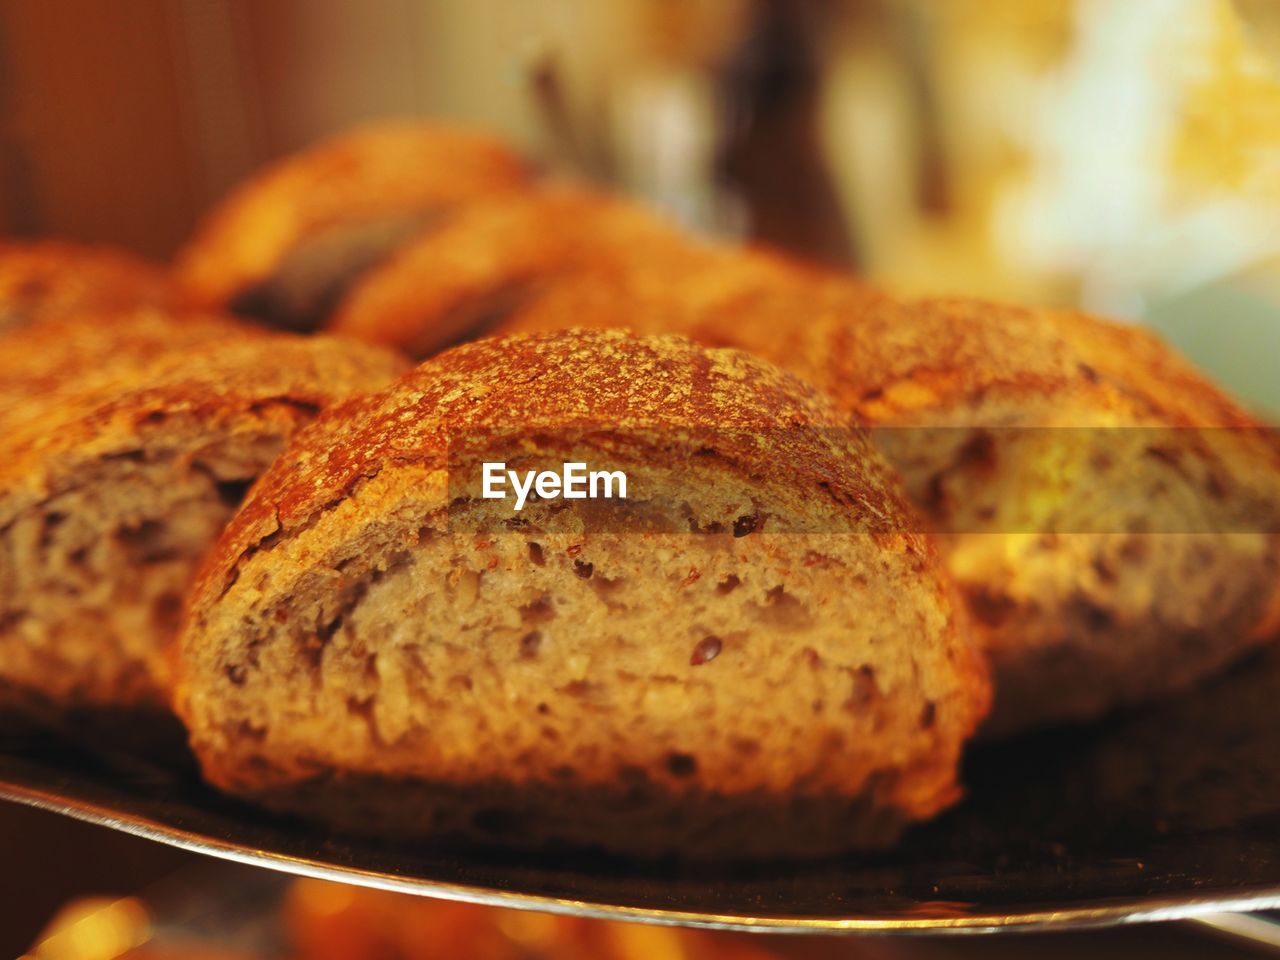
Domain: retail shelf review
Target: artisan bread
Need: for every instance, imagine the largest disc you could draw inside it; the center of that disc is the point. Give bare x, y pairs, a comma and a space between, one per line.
1110, 515
45, 278
1137, 507
560, 248
1117, 560
286, 243
126, 441
750, 655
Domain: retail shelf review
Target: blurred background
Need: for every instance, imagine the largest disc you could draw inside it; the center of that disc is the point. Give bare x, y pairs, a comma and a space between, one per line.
1124, 157
1119, 156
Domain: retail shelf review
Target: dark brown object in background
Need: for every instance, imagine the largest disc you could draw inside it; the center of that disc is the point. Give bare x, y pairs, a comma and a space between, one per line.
91, 124
771, 154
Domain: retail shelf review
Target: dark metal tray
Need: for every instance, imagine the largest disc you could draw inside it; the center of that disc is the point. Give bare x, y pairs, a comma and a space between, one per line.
1167, 813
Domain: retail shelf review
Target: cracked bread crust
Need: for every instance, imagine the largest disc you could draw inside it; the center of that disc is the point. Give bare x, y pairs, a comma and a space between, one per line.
285, 243
128, 440
368, 648
47, 279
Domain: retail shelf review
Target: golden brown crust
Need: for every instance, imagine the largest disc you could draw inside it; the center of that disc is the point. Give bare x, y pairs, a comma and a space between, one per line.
44, 279
894, 361
61, 381
368, 481
455, 280
575, 258
889, 361
576, 386
63, 350
388, 169
127, 439
561, 256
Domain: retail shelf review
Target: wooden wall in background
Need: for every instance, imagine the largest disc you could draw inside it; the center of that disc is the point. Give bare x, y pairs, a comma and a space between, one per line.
90, 123
121, 121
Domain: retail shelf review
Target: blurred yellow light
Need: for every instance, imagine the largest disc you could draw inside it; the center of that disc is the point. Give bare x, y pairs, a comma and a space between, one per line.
94, 930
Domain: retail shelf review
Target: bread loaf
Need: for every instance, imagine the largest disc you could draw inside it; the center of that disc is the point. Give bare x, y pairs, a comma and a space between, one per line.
48, 279
1111, 516
1157, 561
284, 245
750, 655
1137, 506
561, 250
126, 442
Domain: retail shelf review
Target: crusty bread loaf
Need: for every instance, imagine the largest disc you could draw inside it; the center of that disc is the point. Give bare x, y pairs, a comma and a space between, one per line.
47, 279
1111, 516
126, 441
751, 655
559, 250
285, 244
496, 255
1137, 506
1157, 564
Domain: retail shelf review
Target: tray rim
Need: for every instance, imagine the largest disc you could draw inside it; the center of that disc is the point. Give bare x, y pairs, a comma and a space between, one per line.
1112, 912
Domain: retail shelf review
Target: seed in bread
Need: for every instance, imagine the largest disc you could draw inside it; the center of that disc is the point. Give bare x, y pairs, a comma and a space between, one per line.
285, 244
127, 441
47, 279
752, 655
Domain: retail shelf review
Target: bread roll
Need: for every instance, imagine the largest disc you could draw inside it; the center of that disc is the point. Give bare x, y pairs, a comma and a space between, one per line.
126, 442
1156, 562
558, 248
1137, 506
286, 243
496, 255
751, 655
47, 279
1110, 515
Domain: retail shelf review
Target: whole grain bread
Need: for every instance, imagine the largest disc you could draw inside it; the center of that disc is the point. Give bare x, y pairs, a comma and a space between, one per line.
1112, 517
48, 278
1155, 565
126, 441
751, 655
1137, 506
495, 255
286, 243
